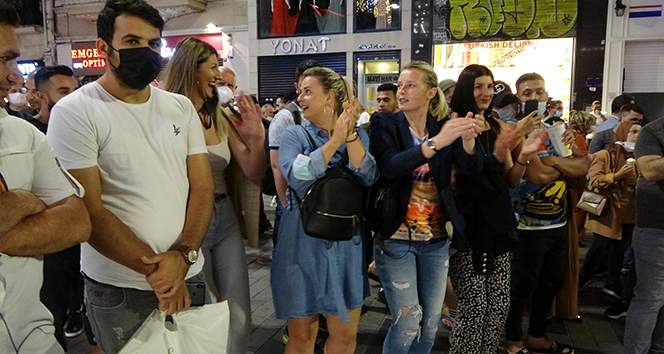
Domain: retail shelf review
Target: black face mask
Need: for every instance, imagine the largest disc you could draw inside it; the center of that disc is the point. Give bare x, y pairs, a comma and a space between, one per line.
138, 66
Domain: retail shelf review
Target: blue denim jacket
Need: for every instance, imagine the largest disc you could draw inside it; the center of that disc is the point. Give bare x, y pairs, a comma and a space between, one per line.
302, 166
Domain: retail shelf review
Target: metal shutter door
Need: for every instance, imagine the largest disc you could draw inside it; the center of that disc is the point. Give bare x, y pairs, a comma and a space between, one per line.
277, 73
644, 66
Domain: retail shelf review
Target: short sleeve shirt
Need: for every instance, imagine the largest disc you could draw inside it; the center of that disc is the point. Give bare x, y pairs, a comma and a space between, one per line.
27, 162
542, 206
279, 123
650, 195
141, 152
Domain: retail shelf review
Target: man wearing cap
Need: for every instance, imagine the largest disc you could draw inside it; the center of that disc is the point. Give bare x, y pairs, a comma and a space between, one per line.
447, 86
505, 103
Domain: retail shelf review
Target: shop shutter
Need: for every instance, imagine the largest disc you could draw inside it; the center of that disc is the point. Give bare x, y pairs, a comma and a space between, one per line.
644, 66
277, 73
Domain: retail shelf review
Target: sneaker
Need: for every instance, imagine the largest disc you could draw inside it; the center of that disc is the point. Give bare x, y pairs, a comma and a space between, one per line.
616, 311
614, 293
74, 324
381, 296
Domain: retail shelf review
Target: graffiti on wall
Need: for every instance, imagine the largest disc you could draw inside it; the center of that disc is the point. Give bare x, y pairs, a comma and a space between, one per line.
487, 19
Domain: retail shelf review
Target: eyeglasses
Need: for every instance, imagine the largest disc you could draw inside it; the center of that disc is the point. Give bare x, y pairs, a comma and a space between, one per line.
5, 59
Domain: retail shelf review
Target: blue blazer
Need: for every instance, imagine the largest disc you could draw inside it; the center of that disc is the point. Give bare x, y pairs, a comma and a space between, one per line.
397, 157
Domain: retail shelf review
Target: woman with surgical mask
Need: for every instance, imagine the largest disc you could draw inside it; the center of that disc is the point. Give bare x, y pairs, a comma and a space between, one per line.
505, 104
193, 72
18, 100
613, 174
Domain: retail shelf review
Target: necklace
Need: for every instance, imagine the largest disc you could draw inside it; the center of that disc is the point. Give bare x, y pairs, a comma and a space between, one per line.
206, 120
419, 139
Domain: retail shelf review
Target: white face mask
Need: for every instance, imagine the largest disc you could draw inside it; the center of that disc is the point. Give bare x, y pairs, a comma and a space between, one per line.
541, 107
507, 113
628, 146
557, 114
18, 98
225, 94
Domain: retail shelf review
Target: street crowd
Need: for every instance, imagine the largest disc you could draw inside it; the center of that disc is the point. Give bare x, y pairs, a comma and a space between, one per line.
133, 192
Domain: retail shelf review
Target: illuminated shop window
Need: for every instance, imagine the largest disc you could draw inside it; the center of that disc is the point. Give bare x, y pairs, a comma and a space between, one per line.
288, 18
377, 15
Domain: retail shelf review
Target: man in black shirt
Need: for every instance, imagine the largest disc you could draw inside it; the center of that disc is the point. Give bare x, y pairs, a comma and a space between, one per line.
645, 317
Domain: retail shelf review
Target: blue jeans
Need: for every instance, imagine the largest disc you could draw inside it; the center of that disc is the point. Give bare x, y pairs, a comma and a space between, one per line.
644, 330
226, 272
115, 314
415, 288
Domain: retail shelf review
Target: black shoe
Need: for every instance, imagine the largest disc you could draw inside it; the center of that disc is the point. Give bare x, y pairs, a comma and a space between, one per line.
74, 324
381, 296
611, 291
616, 311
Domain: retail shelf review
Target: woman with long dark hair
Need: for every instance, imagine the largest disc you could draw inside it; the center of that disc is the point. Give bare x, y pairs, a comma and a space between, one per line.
194, 72
415, 150
480, 269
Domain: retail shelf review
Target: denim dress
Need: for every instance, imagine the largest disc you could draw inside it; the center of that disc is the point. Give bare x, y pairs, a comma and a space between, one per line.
312, 276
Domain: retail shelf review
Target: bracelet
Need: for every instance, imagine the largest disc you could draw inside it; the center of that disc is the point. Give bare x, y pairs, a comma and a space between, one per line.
355, 137
520, 163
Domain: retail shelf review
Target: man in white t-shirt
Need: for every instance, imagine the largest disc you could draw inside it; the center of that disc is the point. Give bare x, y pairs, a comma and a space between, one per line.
40, 213
140, 153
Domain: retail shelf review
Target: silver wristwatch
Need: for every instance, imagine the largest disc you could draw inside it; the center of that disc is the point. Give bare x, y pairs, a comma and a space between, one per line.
430, 144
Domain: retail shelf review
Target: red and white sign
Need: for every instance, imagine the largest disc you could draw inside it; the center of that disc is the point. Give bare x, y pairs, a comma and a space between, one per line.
86, 59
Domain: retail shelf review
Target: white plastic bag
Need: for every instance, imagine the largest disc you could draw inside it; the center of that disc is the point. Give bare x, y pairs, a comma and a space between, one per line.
199, 330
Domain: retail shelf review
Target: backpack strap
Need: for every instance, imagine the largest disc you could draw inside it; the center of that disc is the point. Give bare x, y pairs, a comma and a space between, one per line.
295, 112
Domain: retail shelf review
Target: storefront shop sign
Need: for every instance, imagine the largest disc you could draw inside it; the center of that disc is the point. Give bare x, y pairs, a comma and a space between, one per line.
374, 46
87, 61
380, 78
460, 20
300, 45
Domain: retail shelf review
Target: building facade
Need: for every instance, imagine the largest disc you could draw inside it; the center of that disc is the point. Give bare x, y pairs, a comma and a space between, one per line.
634, 60
365, 40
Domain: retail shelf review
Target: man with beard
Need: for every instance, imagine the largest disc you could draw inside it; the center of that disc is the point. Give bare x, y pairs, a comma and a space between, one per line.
62, 291
51, 84
145, 146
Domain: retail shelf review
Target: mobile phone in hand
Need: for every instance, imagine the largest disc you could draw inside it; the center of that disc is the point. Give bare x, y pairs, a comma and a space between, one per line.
529, 106
197, 293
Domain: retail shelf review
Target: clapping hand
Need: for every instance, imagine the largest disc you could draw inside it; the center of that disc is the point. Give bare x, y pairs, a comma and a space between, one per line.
455, 128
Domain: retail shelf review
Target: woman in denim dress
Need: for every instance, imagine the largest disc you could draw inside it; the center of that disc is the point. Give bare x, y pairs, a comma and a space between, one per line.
311, 276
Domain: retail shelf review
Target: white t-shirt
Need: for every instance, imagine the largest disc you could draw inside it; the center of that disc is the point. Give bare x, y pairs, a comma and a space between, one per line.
27, 162
141, 152
282, 120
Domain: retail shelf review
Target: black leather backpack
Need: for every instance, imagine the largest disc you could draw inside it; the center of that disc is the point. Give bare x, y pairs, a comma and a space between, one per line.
332, 206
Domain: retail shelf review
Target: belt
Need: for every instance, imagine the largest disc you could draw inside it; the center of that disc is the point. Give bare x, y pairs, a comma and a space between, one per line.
220, 197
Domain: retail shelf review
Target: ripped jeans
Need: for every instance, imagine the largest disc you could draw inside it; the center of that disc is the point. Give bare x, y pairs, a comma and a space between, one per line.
414, 283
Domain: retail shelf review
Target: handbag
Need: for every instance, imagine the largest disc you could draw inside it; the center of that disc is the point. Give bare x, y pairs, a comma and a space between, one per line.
592, 202
383, 211
331, 209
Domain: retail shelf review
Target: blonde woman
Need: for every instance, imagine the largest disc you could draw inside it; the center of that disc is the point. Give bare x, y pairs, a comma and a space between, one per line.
194, 72
311, 276
415, 149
